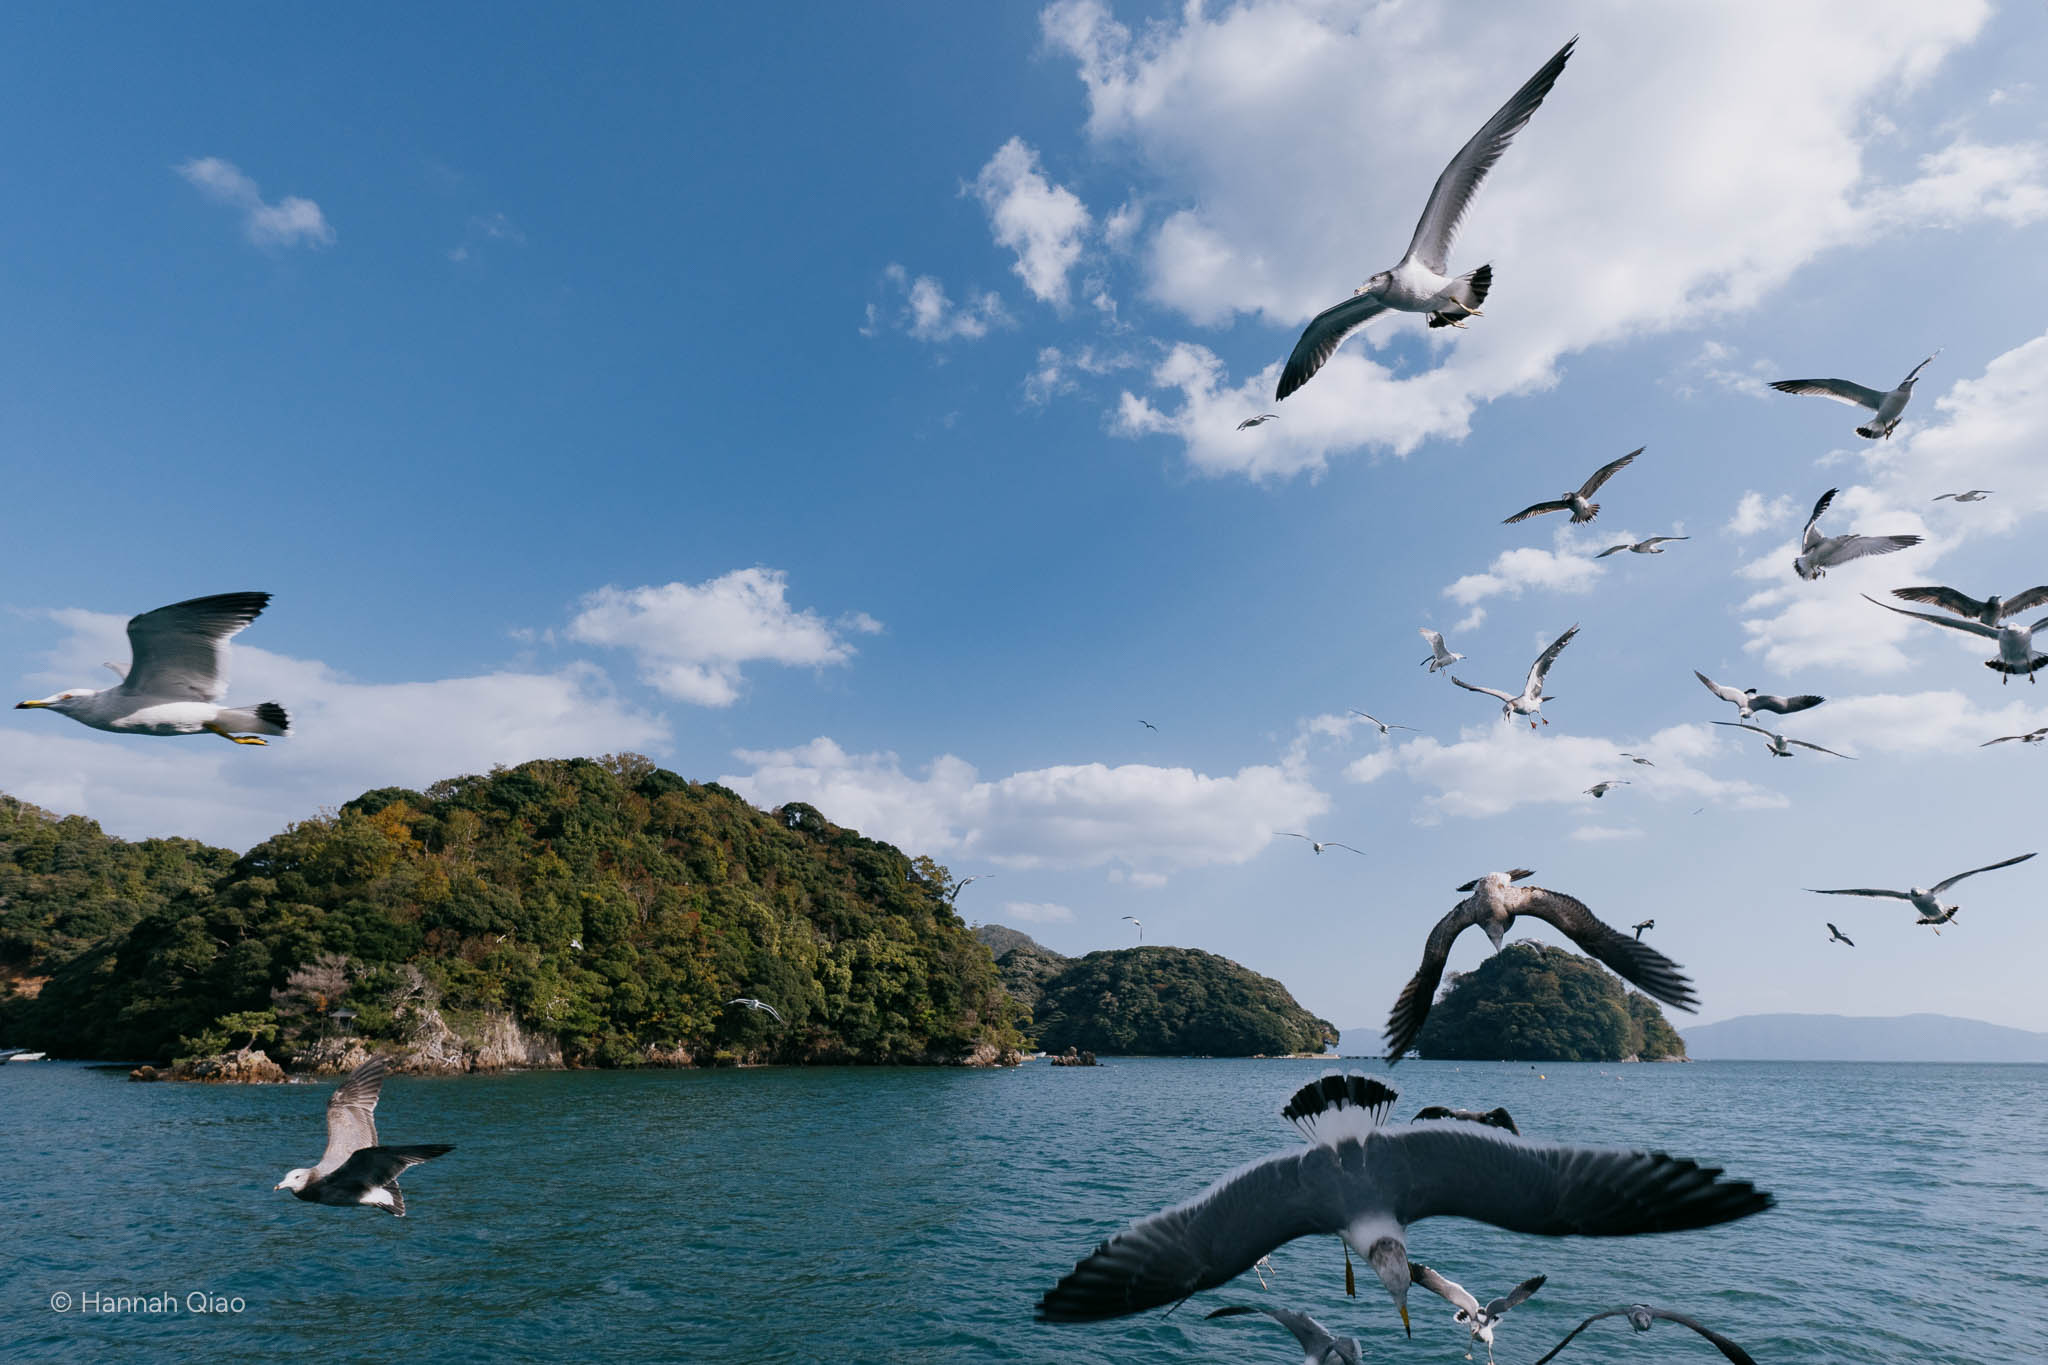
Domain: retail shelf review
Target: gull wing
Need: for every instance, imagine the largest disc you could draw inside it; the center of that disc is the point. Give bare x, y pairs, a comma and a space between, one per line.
1614, 550
1841, 390
1785, 706
1817, 749
1321, 338
1839, 934
351, 1116
1630, 957
1315, 1339
1608, 471
1405, 1021
1952, 622
1725, 693
1450, 1291
1329, 843
181, 650
1662, 540
1940, 887
1948, 599
1519, 1294
1437, 649
1454, 189
1537, 509
1487, 690
1857, 547
1916, 370
1812, 537
1744, 725
2024, 601
2000, 740
376, 1166
1863, 891
1540, 670
1725, 1346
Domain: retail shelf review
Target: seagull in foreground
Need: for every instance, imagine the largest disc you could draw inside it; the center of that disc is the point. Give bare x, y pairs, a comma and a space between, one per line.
1368, 1181
1640, 1316
1641, 925
1638, 758
2030, 737
1530, 703
1653, 546
1973, 495
1495, 1117
1420, 283
1384, 727
1749, 701
1493, 905
1600, 789
1837, 936
1819, 553
759, 1005
1887, 406
1317, 1345
1932, 912
1478, 1319
354, 1169
1576, 502
953, 891
1320, 846
1260, 420
1439, 655
2015, 643
1777, 743
1989, 612
179, 675
1141, 926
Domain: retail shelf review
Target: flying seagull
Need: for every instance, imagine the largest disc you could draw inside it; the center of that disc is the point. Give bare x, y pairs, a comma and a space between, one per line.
1932, 912
1576, 502
1777, 743
758, 1005
1478, 1319
1653, 546
1496, 1117
1600, 789
1260, 420
953, 891
1749, 701
1148, 725
179, 675
354, 1169
1367, 1182
1640, 1316
1317, 1345
1493, 905
1530, 703
1837, 936
1989, 612
1420, 283
1819, 553
1439, 655
2015, 643
2030, 737
1641, 925
1887, 406
1973, 495
1141, 926
1384, 726
1320, 846
1638, 758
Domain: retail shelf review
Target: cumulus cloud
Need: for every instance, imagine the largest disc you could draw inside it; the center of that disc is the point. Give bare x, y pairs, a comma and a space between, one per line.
1043, 223
1568, 568
692, 640
1037, 912
291, 221
1754, 513
924, 310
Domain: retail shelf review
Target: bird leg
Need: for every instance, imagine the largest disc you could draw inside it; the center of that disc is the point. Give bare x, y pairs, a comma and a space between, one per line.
239, 739
1350, 1280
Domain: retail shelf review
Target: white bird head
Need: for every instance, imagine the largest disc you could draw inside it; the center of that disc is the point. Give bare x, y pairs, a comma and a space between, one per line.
1389, 1260
294, 1180
60, 703
1378, 284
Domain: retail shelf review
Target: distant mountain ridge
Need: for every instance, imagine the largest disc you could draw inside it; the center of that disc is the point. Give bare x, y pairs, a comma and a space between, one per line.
1853, 1038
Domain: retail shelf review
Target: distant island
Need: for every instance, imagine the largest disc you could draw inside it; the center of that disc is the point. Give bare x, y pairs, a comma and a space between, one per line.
1845, 1038
1151, 1001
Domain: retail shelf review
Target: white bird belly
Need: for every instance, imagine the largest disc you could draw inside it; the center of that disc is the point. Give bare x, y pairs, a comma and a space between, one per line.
164, 718
1416, 289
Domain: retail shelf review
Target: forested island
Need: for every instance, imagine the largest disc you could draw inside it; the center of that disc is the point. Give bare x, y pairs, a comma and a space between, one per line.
1533, 1002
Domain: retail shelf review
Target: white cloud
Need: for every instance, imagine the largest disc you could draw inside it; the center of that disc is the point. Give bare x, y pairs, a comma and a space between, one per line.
1055, 370
691, 640
1720, 366
1037, 912
1937, 722
1148, 881
1147, 819
1967, 180
291, 221
1122, 225
927, 313
1042, 222
1569, 568
1754, 514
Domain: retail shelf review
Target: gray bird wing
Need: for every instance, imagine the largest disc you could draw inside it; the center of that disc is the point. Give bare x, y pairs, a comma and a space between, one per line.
1940, 887
1665, 540
351, 1116
1952, 622
373, 1167
1725, 693
1608, 471
1519, 1294
1817, 749
1469, 687
1862, 891
1450, 1291
1321, 338
2024, 601
1331, 843
1412, 1007
1315, 1339
1840, 935
1785, 706
181, 650
1948, 599
1857, 547
1632, 958
1454, 189
1744, 725
1841, 390
1540, 670
1811, 537
2000, 740
1614, 550
1537, 509
1726, 1347
1916, 370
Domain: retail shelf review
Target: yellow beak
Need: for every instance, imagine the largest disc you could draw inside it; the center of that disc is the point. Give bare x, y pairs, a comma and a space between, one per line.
29, 705
1404, 1320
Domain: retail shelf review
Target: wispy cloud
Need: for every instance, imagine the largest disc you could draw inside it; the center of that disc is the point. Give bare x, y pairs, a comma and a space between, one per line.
291, 221
924, 310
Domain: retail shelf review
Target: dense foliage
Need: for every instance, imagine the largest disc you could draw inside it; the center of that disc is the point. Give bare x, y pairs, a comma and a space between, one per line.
607, 904
1173, 1002
1533, 1002
1025, 964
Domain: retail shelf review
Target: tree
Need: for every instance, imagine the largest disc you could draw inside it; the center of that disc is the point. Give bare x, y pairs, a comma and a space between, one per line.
1532, 1002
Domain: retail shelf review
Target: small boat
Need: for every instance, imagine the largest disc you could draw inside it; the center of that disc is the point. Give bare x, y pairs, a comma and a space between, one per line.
20, 1055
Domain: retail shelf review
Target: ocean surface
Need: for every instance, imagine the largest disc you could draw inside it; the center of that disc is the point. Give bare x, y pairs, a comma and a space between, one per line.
916, 1215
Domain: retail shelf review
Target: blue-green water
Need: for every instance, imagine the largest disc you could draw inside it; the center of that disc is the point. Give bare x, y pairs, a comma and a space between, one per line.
879, 1215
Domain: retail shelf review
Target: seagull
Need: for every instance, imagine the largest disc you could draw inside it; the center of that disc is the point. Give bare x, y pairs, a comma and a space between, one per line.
1837, 936
1141, 926
1367, 1182
1530, 703
953, 892
1576, 502
1932, 912
1497, 1117
1989, 612
1420, 283
1317, 1345
1600, 789
1638, 758
1260, 420
1479, 1320
1749, 701
1383, 725
1640, 1316
2015, 643
1641, 925
179, 675
1320, 846
1777, 743
354, 1169
1974, 495
1493, 905
1439, 656
2030, 737
1148, 725
761, 1006
1653, 546
1818, 553
1887, 406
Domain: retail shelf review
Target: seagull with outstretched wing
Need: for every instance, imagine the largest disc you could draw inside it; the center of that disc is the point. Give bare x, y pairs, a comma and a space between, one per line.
1779, 744
355, 1169
1640, 1316
1440, 656
1971, 495
1258, 421
759, 1006
1496, 1117
1319, 845
1318, 1346
2030, 737
1530, 702
1577, 501
1819, 553
1653, 546
1477, 1318
1749, 701
1926, 900
1988, 612
1887, 406
2016, 656
1384, 726
1837, 936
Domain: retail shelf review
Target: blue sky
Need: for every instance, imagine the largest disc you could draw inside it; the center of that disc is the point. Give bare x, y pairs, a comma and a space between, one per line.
848, 413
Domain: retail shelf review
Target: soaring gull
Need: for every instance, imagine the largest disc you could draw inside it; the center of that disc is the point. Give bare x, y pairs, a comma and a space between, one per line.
2015, 643
1576, 501
1923, 899
1887, 406
1493, 905
1319, 846
1384, 726
2030, 737
1837, 936
1653, 546
1420, 283
761, 1006
354, 1169
1260, 420
1600, 789
1989, 612
1477, 1318
1318, 1346
1973, 495
1641, 925
1640, 1316
178, 678
1777, 743
1439, 655
1638, 758
953, 891
1749, 701
1141, 926
1497, 1117
1530, 703
1819, 553
1368, 1182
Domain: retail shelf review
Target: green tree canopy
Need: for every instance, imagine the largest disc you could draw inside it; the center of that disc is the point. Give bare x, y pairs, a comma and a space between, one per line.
1533, 1002
1168, 1002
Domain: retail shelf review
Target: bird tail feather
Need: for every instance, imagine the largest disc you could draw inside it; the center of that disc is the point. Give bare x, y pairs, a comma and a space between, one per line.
2039, 662
268, 718
1340, 1105
1467, 293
